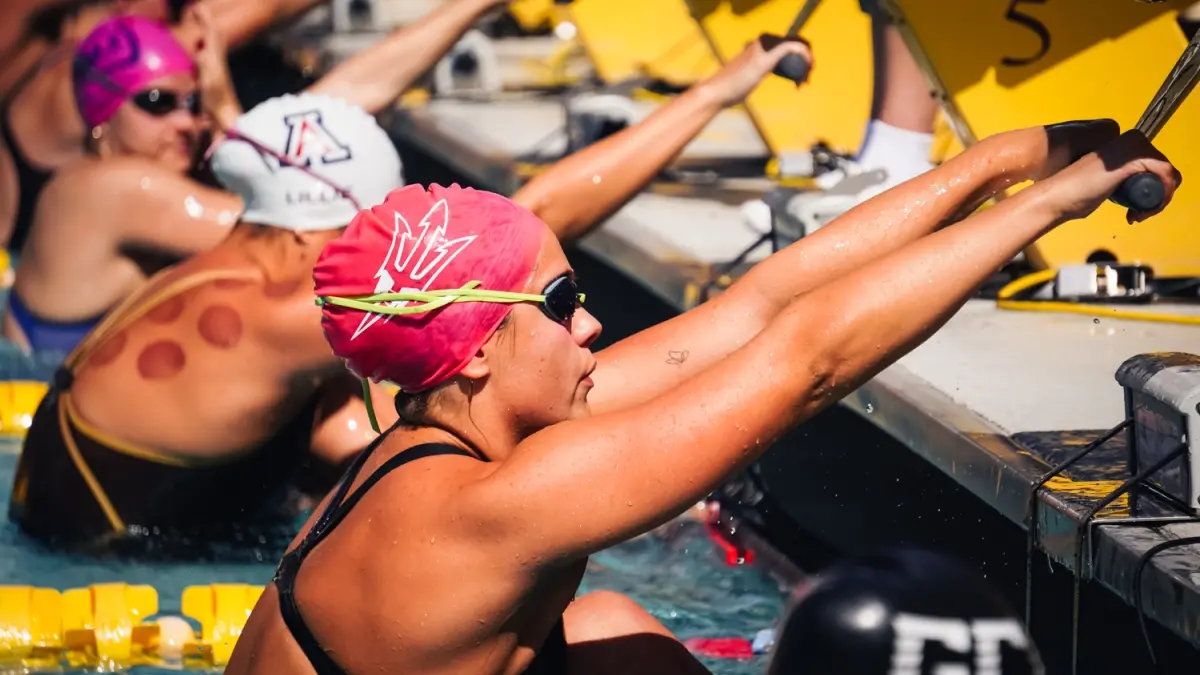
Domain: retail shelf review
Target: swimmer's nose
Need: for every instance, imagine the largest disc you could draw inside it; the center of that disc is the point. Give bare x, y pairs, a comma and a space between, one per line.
585, 327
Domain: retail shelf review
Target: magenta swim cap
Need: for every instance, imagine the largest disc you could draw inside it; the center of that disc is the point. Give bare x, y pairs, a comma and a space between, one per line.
118, 59
425, 240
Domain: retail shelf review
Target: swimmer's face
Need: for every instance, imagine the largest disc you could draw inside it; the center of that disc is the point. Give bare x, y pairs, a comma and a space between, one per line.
541, 367
159, 123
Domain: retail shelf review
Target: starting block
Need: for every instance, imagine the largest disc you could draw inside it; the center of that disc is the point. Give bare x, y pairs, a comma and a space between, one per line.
998, 65
835, 104
534, 15
643, 38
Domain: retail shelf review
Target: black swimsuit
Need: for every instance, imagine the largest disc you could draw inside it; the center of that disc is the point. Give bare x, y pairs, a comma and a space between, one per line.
550, 660
31, 179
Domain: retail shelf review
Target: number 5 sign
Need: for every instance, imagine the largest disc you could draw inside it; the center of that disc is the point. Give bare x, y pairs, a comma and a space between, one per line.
1006, 64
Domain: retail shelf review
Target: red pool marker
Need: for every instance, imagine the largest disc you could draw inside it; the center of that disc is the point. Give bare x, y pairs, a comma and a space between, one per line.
733, 554
721, 648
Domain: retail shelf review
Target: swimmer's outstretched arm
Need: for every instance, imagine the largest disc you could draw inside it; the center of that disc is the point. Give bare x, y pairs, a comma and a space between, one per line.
103, 192
659, 358
375, 77
240, 20
578, 192
580, 486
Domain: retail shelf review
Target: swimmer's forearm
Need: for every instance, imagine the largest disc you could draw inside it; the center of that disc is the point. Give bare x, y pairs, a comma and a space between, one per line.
884, 224
645, 365
580, 191
240, 20
378, 75
591, 483
870, 317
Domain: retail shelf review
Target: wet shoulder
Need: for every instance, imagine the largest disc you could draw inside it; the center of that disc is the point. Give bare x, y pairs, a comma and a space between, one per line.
108, 179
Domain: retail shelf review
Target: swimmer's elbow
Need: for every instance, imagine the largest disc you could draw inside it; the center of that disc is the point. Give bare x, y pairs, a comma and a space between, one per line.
827, 358
563, 219
532, 197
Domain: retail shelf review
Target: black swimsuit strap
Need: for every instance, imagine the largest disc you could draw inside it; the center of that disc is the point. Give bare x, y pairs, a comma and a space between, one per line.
337, 509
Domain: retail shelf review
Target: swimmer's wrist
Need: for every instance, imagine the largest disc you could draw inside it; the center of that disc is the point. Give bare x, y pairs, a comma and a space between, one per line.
709, 94
1041, 208
1007, 162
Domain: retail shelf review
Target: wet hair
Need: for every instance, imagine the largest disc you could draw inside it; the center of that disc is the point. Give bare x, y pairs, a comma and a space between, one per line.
413, 409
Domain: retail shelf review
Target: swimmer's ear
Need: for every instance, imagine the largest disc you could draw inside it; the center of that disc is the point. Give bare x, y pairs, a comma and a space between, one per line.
478, 367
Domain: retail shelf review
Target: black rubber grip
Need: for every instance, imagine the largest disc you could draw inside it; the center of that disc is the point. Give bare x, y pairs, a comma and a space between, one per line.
791, 67
1140, 192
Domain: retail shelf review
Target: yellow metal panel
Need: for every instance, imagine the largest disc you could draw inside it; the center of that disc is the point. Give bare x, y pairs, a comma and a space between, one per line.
533, 15
835, 103
1007, 64
630, 38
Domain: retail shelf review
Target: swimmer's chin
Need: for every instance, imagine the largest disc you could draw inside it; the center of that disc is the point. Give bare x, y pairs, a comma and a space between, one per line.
180, 162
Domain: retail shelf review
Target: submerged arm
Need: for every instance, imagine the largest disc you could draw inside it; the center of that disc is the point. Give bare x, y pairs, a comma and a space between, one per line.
580, 191
378, 75
652, 361
580, 486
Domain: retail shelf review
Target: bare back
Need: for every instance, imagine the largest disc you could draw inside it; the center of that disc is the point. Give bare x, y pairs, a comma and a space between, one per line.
195, 375
466, 609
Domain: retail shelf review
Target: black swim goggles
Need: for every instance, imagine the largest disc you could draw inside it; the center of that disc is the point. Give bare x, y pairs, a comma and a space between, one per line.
162, 102
560, 299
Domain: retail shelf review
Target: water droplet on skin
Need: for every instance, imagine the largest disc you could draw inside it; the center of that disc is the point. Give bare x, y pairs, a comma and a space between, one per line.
193, 207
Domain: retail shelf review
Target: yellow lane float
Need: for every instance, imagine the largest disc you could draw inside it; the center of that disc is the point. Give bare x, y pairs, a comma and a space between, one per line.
19, 399
116, 625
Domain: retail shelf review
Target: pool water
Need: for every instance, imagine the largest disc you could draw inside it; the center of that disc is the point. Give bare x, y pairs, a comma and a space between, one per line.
677, 573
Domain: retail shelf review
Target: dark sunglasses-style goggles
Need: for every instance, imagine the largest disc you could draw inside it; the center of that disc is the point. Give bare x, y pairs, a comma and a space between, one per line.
163, 102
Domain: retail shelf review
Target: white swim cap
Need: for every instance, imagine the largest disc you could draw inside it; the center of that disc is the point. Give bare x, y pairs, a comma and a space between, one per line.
333, 139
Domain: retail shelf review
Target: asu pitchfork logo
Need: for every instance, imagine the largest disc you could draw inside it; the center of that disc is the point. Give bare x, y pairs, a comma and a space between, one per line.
418, 258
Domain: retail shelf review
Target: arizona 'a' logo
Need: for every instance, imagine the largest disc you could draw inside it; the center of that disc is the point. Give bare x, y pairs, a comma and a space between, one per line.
309, 140
416, 258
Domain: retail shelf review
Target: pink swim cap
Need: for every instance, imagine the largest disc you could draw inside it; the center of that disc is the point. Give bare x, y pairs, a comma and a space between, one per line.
118, 59
424, 241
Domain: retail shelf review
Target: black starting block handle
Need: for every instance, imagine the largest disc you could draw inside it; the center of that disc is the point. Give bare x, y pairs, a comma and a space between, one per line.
1140, 192
791, 67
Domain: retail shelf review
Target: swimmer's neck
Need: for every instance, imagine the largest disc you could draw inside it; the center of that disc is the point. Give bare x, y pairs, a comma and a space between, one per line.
252, 235
277, 249
471, 414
